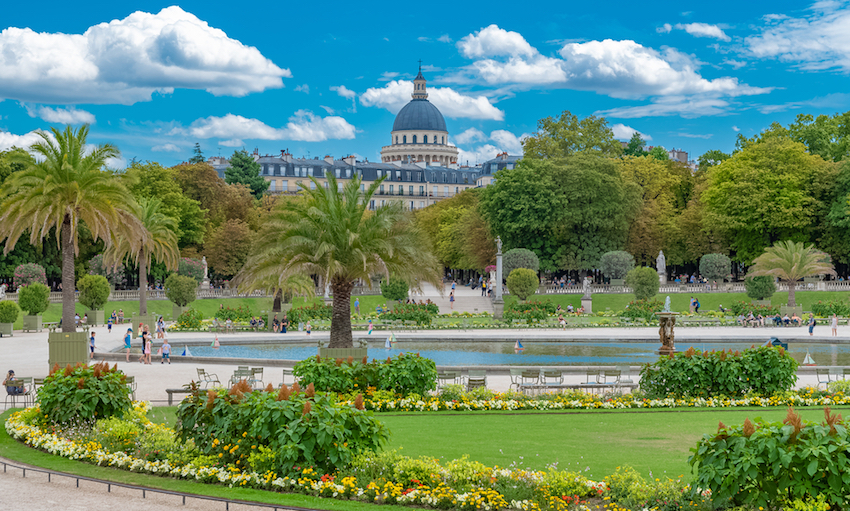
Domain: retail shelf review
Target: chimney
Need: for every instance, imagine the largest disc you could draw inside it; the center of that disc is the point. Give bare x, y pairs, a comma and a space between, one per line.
350, 159
286, 156
329, 159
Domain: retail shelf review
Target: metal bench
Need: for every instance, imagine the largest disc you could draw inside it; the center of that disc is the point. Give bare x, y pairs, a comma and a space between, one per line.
171, 393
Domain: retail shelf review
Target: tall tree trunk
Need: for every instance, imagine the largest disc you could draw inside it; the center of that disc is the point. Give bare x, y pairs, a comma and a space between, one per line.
277, 299
792, 287
341, 316
143, 285
69, 297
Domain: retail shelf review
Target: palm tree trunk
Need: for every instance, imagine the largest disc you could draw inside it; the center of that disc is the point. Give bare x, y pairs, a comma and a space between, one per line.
792, 287
277, 299
69, 297
143, 285
341, 316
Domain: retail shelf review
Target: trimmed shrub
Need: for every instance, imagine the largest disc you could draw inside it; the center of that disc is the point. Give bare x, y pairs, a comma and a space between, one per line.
715, 266
94, 291
294, 429
193, 268
644, 282
34, 298
180, 290
645, 309
741, 307
114, 274
408, 373
761, 464
760, 288
9, 311
422, 314
28, 273
394, 289
238, 314
519, 258
616, 264
523, 283
764, 371
84, 392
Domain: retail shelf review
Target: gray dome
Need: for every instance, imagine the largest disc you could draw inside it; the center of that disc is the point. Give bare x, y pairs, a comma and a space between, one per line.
419, 114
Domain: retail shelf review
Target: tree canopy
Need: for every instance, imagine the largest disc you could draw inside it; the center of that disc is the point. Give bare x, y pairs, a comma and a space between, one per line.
568, 135
244, 170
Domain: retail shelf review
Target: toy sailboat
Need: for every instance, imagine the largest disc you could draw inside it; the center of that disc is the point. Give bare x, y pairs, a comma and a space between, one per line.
186, 352
808, 361
518, 346
390, 341
215, 343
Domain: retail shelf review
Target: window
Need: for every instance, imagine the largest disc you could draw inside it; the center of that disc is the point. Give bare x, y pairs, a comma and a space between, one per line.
391, 189
347, 172
272, 185
410, 189
408, 175
284, 186
424, 139
398, 175
362, 188
339, 187
383, 202
414, 139
421, 190
404, 138
443, 141
396, 139
336, 171
310, 171
457, 190
446, 190
401, 189
381, 191
421, 204
312, 185
411, 205
509, 166
372, 204
326, 185
380, 173
434, 176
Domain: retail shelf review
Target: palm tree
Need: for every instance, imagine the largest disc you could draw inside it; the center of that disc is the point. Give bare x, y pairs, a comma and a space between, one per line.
791, 262
331, 233
65, 187
160, 244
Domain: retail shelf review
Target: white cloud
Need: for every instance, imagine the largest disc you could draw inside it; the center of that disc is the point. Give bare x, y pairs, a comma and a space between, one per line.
303, 88
166, 148
818, 41
664, 29
61, 115
9, 140
508, 141
423, 39
469, 136
735, 128
233, 142
343, 91
479, 154
623, 132
395, 94
687, 107
704, 136
703, 30
126, 61
304, 126
736, 64
444, 38
495, 42
328, 109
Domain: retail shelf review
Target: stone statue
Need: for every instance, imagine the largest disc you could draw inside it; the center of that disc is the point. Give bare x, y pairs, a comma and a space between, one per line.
206, 268
661, 263
498, 244
667, 305
585, 286
3, 291
665, 331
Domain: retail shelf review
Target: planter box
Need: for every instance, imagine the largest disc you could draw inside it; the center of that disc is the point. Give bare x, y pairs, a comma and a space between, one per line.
6, 329
176, 311
96, 318
356, 353
67, 348
149, 320
32, 323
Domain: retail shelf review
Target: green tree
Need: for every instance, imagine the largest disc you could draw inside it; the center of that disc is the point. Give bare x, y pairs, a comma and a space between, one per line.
34, 298
644, 282
659, 153
764, 193
94, 291
394, 289
244, 170
12, 161
711, 158
520, 258
160, 244
522, 283
65, 188
568, 135
197, 155
153, 181
9, 311
636, 145
616, 264
760, 288
790, 261
332, 233
180, 290
825, 136
715, 266
227, 247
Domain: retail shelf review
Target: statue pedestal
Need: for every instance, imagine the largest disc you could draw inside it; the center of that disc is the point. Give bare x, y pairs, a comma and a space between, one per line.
587, 303
662, 278
205, 284
666, 320
498, 308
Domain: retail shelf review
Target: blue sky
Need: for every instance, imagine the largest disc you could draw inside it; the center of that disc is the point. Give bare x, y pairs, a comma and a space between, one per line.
323, 78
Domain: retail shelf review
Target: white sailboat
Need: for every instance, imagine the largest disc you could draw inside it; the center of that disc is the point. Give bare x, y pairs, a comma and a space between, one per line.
808, 361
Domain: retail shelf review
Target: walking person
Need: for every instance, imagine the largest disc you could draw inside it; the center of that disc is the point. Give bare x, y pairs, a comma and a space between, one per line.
91, 345
357, 306
834, 325
452, 300
483, 287
812, 323
166, 351
127, 339
308, 328
369, 331
109, 325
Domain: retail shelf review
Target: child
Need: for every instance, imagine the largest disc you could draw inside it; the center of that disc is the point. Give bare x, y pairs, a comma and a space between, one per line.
9, 381
109, 325
127, 339
370, 328
91, 345
166, 351
308, 328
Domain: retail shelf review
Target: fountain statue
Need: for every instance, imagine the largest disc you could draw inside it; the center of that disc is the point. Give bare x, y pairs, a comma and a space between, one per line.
666, 322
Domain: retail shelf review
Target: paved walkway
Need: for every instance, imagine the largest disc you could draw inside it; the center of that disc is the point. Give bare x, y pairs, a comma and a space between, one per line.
27, 353
466, 299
